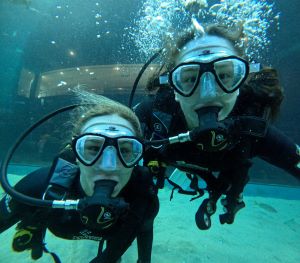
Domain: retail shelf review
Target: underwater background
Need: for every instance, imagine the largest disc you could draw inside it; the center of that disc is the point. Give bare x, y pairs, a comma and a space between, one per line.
49, 46
44, 36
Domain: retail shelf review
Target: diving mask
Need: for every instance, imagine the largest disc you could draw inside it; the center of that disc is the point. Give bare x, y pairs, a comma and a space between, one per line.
229, 72
88, 148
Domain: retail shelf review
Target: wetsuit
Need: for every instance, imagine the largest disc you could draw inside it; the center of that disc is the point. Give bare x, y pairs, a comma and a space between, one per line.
161, 117
139, 193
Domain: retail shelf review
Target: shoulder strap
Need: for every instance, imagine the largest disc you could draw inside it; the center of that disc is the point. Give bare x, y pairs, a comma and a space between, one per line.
164, 107
62, 178
161, 123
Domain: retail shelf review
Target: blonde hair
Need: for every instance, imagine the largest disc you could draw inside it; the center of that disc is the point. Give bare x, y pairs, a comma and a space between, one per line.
96, 105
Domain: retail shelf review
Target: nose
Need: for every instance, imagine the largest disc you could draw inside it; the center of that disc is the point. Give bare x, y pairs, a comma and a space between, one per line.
108, 160
208, 86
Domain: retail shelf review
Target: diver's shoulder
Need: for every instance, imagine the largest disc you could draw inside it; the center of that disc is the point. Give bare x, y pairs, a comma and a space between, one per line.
35, 182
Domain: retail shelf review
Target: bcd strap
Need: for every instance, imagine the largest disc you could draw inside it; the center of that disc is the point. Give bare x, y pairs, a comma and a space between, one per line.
63, 176
161, 122
251, 125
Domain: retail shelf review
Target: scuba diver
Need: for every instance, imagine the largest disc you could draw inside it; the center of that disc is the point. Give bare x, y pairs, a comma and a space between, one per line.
99, 167
222, 107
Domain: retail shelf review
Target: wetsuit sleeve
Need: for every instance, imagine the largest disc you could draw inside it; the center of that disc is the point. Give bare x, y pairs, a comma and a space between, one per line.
11, 211
278, 149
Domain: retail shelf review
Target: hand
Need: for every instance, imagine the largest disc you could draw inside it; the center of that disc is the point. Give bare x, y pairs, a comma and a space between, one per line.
29, 238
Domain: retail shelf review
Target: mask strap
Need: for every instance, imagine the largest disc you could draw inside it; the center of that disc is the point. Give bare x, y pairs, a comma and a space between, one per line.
254, 67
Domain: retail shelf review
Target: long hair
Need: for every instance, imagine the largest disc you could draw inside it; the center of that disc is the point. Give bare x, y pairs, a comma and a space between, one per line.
261, 91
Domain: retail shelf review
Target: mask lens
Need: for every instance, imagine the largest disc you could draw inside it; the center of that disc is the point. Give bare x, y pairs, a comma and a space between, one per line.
130, 150
230, 72
185, 78
88, 148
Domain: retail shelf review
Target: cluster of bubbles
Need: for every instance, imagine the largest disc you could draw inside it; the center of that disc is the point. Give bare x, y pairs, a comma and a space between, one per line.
160, 21
157, 22
256, 17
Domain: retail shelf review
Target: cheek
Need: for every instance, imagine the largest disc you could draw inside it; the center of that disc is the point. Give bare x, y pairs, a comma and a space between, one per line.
228, 105
85, 170
186, 102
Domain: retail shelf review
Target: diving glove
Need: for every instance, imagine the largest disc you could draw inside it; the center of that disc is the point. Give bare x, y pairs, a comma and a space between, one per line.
204, 212
29, 238
231, 207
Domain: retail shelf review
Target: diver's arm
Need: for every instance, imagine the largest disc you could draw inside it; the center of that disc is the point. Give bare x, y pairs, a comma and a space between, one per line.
11, 211
7, 218
279, 150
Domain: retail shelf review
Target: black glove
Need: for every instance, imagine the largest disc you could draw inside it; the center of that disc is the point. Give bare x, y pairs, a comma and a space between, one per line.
29, 238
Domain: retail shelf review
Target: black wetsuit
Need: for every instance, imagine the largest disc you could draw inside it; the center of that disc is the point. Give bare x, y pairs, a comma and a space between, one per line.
161, 117
139, 193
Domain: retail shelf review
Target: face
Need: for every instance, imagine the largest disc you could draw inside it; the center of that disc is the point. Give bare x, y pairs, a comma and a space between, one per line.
108, 166
208, 92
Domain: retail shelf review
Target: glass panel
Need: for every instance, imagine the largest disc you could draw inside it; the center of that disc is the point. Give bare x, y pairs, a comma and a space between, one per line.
185, 77
88, 147
230, 72
130, 150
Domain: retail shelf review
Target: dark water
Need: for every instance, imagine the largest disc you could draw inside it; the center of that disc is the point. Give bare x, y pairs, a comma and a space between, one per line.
41, 37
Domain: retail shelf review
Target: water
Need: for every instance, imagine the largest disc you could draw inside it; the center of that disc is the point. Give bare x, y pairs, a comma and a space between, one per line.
266, 230
44, 44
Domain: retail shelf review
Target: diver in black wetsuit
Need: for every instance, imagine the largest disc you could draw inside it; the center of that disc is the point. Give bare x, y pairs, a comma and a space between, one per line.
205, 74
120, 196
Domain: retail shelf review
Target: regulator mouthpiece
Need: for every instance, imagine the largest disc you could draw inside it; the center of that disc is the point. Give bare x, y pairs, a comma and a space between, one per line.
211, 135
